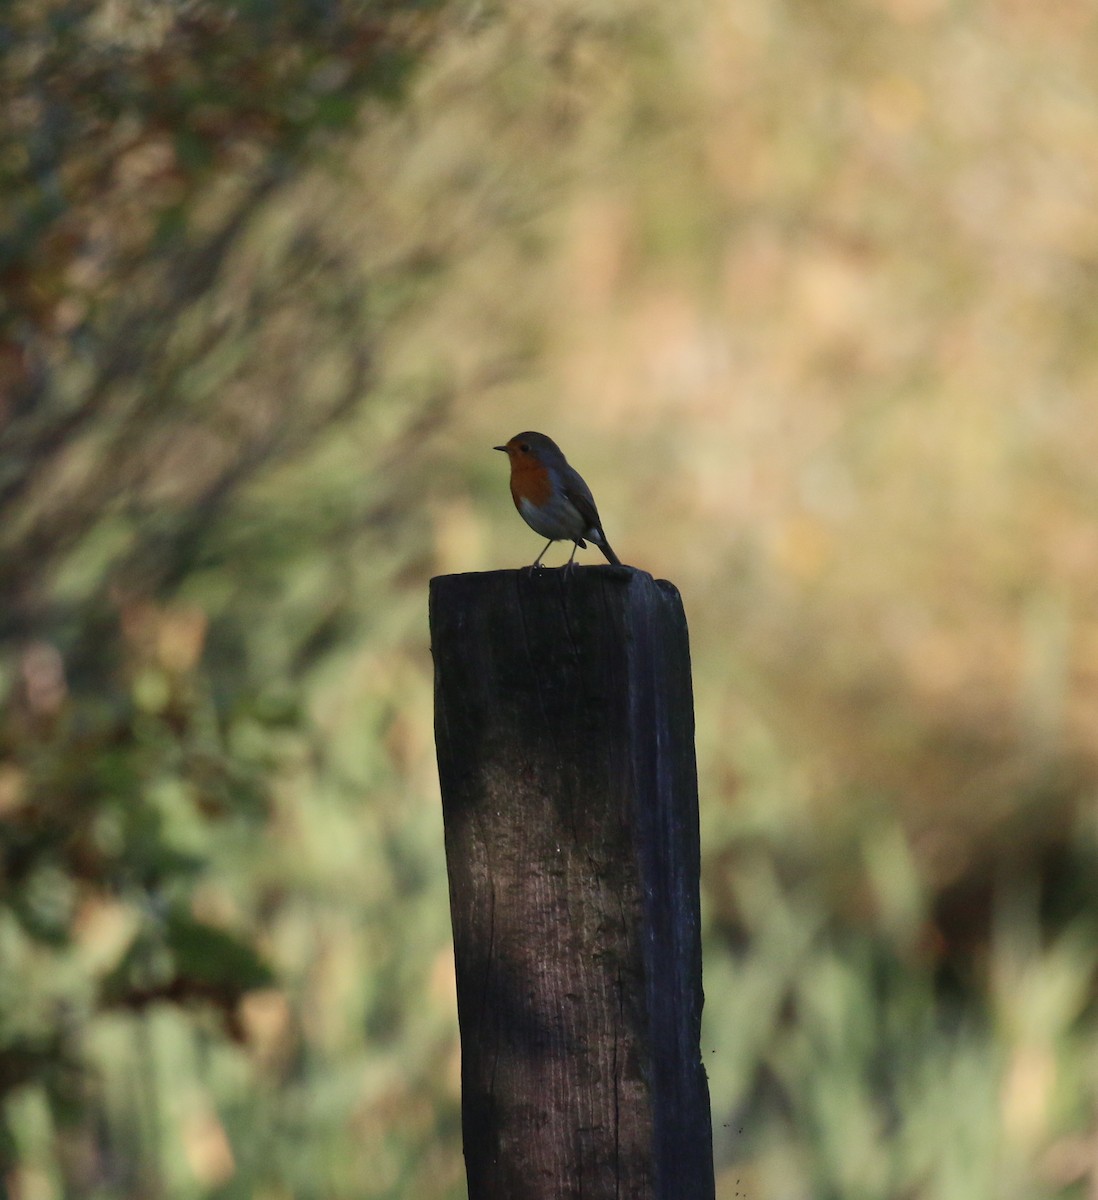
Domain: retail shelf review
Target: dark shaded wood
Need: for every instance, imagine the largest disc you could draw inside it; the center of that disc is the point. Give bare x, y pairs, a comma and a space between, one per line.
564, 726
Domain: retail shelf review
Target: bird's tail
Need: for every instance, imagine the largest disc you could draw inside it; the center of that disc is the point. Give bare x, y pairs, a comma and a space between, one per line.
605, 547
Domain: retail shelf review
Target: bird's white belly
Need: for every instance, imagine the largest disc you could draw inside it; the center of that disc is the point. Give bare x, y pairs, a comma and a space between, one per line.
558, 519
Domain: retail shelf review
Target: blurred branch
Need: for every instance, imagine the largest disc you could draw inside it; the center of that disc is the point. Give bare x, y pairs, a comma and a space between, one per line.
139, 331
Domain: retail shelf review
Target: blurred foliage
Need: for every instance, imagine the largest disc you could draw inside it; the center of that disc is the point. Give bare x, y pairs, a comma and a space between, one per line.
193, 458
808, 293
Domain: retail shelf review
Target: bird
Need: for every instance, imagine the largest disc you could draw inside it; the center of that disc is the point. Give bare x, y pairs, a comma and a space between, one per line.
552, 497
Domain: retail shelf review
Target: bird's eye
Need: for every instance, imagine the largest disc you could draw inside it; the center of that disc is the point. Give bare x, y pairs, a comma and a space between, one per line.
524, 447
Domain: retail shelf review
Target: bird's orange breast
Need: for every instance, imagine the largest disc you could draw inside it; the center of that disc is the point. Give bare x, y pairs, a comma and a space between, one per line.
530, 481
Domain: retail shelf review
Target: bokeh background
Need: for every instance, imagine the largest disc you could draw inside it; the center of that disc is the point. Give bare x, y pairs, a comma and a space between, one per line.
809, 293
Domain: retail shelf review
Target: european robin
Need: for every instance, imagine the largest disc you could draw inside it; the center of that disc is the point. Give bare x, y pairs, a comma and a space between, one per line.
552, 497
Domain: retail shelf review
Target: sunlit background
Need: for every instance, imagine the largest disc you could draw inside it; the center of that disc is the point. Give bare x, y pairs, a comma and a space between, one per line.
809, 294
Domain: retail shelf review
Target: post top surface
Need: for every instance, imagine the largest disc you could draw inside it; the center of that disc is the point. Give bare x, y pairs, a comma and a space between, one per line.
554, 576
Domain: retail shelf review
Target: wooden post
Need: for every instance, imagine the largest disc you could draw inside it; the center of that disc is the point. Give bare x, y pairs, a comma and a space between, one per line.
564, 725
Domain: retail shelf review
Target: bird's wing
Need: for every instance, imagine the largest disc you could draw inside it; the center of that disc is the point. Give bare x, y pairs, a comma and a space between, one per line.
580, 495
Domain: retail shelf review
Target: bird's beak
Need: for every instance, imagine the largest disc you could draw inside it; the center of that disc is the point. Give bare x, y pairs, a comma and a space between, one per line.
503, 448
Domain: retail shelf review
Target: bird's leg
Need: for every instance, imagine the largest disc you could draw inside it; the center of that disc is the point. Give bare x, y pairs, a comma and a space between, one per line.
537, 561
570, 565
